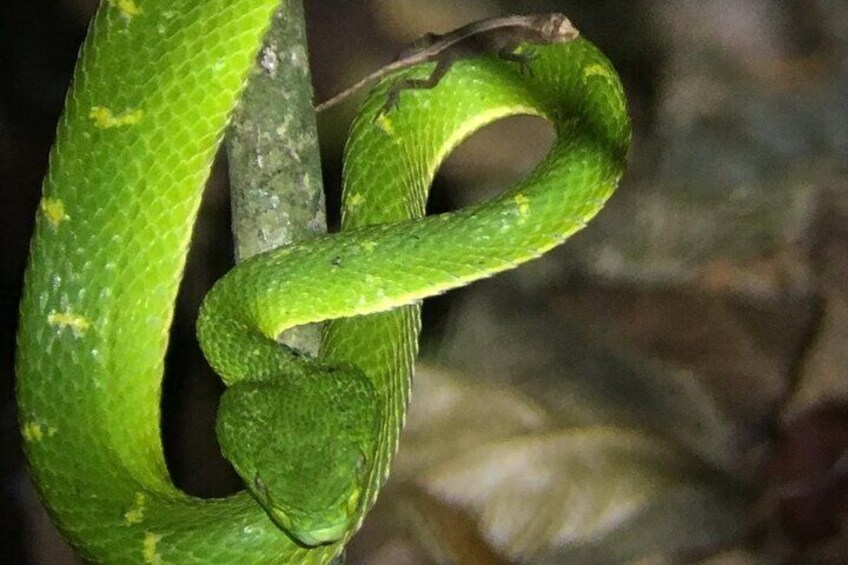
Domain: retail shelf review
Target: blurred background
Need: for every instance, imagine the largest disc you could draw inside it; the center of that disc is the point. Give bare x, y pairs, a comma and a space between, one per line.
668, 387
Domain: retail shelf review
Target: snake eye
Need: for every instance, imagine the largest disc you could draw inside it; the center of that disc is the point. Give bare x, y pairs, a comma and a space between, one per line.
361, 463
260, 485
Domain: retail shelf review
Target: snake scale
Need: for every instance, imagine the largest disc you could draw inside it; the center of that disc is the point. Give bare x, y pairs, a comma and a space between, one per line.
154, 86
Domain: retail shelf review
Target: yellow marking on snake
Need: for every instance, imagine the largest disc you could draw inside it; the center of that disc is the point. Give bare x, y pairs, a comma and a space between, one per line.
136, 514
104, 117
386, 125
356, 200
523, 204
149, 552
68, 320
128, 8
32, 432
54, 210
596, 69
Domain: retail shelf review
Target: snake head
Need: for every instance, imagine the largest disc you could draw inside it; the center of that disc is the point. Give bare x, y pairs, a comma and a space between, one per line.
309, 523
305, 448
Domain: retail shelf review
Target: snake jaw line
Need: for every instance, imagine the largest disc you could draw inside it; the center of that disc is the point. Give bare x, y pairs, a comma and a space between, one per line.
310, 537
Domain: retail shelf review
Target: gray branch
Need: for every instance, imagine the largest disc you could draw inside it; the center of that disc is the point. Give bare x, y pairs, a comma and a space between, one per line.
272, 148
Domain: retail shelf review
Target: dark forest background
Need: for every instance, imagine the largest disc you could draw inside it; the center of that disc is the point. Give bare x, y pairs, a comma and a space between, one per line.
669, 387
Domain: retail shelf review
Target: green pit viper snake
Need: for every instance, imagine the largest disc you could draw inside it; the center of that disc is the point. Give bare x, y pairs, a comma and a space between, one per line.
153, 90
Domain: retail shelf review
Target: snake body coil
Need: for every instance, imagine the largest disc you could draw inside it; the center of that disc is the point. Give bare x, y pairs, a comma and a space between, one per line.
152, 93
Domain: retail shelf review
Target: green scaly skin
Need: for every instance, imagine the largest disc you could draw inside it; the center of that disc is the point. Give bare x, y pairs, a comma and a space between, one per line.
152, 92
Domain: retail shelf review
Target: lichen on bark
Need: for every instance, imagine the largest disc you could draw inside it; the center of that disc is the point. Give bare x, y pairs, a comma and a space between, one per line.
272, 151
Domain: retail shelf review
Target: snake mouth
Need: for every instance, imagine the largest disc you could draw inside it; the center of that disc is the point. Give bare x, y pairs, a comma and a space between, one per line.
306, 530
307, 536
321, 536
